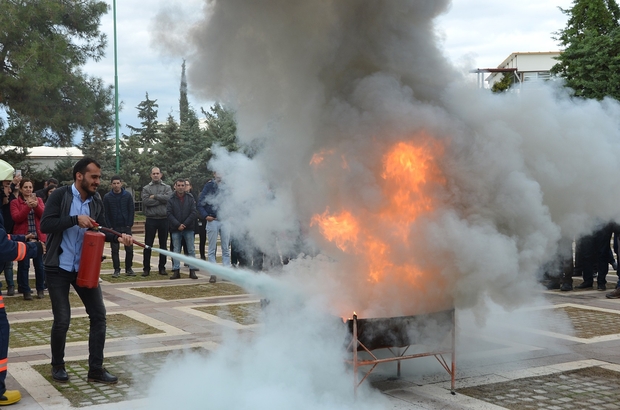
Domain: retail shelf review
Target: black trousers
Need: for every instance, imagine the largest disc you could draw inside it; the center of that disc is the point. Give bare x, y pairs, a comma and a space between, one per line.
154, 227
115, 247
201, 230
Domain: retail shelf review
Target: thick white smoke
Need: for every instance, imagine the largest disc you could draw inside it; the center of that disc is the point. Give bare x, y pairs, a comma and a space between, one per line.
351, 78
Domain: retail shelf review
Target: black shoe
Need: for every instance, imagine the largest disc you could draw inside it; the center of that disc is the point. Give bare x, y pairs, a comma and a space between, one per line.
117, 273
163, 272
212, 279
101, 376
27, 296
59, 374
176, 274
584, 285
552, 285
192, 274
40, 294
566, 287
146, 273
601, 287
10, 291
613, 295
129, 272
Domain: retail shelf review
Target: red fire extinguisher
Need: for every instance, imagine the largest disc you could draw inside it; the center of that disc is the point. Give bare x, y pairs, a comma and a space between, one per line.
90, 261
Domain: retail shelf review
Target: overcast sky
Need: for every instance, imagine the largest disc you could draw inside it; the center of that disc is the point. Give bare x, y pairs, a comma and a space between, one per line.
477, 34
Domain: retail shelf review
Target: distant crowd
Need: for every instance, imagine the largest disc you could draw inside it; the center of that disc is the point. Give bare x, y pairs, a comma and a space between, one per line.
174, 215
49, 227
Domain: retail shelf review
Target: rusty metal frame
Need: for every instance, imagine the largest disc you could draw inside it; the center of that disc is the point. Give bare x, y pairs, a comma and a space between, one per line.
400, 356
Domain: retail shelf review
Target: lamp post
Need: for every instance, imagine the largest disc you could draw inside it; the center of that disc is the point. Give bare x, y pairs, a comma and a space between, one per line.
118, 158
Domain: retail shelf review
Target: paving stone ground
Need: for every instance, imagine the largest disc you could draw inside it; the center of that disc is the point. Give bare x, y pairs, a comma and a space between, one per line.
559, 356
591, 387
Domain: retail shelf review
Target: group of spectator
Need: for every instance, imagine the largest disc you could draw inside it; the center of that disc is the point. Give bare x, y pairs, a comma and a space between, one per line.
12, 248
178, 213
53, 222
22, 209
171, 212
591, 260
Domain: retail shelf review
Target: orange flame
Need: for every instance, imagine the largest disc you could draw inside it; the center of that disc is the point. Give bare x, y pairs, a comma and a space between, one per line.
408, 171
410, 174
341, 229
319, 157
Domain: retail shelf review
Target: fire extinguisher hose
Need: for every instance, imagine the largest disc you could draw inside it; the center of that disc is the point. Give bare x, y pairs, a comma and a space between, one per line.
113, 232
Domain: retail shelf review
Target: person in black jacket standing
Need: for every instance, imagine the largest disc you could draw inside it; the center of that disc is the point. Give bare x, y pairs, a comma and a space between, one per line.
119, 213
181, 210
69, 212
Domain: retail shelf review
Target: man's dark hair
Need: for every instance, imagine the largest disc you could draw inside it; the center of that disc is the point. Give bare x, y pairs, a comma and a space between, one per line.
52, 181
115, 178
82, 164
179, 180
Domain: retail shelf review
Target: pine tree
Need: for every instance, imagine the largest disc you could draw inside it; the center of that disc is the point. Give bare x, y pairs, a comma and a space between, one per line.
168, 151
136, 165
97, 145
43, 45
21, 135
504, 84
147, 112
138, 148
221, 127
590, 63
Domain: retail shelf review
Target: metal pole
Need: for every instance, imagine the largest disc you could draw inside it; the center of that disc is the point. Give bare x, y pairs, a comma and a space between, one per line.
118, 158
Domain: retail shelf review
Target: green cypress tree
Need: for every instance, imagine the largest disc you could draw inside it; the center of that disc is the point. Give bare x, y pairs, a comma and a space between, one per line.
590, 62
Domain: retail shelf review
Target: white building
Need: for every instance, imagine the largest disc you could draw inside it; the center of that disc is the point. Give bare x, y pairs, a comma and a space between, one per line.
525, 66
46, 157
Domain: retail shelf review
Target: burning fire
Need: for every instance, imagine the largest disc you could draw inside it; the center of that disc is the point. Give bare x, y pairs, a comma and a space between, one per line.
319, 157
410, 174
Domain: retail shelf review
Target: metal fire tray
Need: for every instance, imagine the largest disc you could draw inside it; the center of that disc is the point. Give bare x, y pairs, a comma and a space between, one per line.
397, 335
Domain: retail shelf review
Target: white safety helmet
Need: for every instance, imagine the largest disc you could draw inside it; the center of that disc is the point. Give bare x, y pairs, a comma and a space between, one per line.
6, 171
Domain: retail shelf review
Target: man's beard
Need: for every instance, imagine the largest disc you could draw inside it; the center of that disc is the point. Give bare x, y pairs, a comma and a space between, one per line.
86, 187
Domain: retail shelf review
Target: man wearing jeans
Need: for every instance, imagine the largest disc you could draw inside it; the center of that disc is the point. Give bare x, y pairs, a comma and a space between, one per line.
181, 210
155, 198
208, 208
69, 212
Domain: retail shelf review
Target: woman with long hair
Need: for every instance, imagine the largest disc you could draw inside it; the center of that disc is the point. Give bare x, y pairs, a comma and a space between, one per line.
26, 211
47, 191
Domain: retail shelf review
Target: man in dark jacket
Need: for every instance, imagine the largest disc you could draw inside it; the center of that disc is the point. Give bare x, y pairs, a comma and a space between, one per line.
181, 210
119, 213
69, 212
155, 196
11, 250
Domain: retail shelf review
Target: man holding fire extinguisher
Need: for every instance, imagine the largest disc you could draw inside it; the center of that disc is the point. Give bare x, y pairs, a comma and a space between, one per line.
10, 250
69, 212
